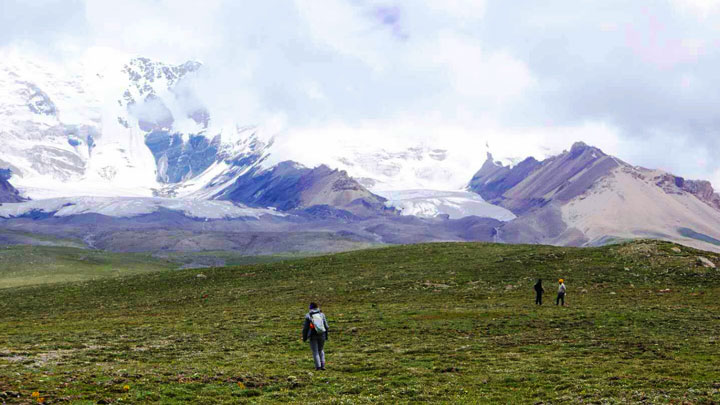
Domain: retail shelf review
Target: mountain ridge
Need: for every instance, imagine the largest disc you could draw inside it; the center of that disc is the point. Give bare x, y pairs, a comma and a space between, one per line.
584, 197
290, 185
136, 130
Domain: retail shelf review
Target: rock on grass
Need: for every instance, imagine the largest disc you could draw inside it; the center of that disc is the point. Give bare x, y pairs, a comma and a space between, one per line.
705, 262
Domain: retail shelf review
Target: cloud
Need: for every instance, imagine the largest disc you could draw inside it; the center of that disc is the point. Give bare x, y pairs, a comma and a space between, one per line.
40, 23
532, 77
474, 72
701, 9
170, 30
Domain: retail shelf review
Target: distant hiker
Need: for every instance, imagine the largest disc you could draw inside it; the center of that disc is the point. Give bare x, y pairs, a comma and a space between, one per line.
315, 328
561, 293
539, 290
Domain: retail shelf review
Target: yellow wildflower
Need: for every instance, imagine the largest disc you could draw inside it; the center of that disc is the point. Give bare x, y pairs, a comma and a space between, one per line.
41, 400
35, 394
241, 385
126, 387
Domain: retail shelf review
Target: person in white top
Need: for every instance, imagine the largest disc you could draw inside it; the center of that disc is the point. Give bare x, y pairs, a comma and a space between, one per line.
561, 293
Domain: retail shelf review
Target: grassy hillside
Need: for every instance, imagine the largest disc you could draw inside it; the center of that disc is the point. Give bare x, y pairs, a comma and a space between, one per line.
35, 265
16, 237
439, 322
31, 265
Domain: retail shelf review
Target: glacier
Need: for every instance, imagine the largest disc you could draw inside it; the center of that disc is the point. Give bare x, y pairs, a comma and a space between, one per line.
125, 207
454, 204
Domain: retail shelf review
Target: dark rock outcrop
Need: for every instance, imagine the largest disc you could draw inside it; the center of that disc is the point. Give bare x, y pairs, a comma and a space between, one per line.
38, 101
702, 189
178, 160
8, 193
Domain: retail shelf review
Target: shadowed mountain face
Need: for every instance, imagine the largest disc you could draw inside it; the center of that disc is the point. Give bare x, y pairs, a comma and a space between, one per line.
8, 193
533, 184
494, 179
289, 186
178, 160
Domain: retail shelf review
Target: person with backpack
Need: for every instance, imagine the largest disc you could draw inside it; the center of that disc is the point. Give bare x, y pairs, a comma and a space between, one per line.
539, 290
561, 293
315, 328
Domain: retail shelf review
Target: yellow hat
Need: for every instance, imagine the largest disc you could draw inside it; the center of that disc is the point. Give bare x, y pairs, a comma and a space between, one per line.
561, 281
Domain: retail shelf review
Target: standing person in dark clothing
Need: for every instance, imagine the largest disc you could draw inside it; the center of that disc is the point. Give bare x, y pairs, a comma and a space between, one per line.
561, 293
539, 290
315, 328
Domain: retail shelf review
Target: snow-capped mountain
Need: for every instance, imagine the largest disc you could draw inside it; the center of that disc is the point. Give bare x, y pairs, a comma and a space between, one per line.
128, 137
417, 167
126, 127
131, 126
420, 180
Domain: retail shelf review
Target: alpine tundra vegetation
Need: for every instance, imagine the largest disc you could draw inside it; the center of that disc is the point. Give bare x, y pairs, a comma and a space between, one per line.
446, 322
179, 180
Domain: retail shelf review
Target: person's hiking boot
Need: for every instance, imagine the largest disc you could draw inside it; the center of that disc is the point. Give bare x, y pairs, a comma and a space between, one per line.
322, 368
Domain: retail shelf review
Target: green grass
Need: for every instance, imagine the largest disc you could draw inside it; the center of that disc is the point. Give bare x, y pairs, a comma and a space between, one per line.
229, 258
17, 237
31, 265
687, 232
22, 265
448, 322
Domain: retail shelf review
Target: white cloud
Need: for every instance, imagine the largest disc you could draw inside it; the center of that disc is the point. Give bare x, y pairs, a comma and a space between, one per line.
530, 80
465, 143
338, 26
171, 30
700, 8
462, 10
494, 76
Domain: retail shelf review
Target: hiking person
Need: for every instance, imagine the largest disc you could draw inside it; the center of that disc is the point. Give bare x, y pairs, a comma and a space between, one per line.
315, 328
561, 293
539, 290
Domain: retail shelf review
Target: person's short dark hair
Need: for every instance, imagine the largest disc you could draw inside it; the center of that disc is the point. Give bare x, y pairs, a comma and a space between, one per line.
313, 305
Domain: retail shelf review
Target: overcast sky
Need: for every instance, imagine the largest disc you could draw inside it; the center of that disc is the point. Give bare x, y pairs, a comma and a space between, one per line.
636, 78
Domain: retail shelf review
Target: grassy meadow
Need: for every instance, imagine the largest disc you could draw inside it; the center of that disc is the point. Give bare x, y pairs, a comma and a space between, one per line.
24, 265
449, 322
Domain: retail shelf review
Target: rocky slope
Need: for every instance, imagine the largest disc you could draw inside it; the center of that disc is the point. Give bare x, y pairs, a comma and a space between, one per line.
533, 184
289, 186
585, 197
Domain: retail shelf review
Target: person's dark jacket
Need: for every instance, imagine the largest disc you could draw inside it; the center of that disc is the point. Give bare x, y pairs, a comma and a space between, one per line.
309, 332
539, 288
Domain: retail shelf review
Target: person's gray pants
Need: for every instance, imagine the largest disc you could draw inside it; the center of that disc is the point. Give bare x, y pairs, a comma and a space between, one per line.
317, 344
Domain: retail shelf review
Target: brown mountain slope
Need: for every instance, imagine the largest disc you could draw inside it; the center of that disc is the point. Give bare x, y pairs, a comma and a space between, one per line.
585, 197
289, 186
